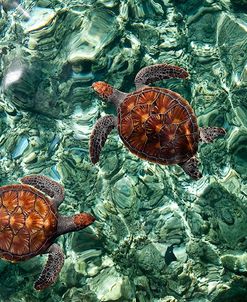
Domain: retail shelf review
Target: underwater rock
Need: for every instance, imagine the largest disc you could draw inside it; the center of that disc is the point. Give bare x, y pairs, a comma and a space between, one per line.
227, 217
14, 5
24, 84
9, 4
169, 299
235, 263
180, 280
239, 2
99, 29
78, 295
109, 286
232, 42
170, 226
64, 77
38, 29
236, 292
22, 144
123, 193
149, 259
40, 20
237, 148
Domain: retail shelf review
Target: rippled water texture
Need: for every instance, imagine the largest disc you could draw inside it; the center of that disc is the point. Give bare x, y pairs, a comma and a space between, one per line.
159, 236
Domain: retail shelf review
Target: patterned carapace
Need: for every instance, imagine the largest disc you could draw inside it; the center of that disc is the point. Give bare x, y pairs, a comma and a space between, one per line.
159, 125
27, 221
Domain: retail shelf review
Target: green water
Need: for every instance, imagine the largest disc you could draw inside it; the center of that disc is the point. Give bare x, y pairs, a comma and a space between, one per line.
159, 236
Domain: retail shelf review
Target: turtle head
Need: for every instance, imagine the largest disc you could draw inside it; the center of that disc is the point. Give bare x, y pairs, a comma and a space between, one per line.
83, 220
103, 89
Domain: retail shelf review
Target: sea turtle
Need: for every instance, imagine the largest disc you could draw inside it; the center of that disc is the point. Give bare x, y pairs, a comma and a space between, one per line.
30, 222
154, 123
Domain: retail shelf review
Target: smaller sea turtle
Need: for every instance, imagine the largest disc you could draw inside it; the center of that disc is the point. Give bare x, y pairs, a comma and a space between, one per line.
30, 222
154, 123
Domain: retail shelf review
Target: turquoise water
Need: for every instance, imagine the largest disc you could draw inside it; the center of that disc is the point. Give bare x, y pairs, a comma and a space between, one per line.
159, 236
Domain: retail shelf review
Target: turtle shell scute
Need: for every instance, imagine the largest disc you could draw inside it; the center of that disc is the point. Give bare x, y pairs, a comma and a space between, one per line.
158, 125
27, 222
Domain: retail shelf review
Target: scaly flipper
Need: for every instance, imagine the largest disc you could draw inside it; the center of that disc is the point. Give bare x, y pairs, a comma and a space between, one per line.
190, 167
208, 134
99, 135
46, 185
52, 268
158, 72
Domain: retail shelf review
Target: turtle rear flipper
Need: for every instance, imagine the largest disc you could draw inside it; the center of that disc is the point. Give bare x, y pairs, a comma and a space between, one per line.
52, 268
158, 72
99, 136
208, 134
190, 167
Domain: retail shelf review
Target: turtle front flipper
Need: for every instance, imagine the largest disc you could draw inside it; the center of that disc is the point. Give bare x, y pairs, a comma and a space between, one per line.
208, 134
52, 268
190, 167
99, 136
46, 185
158, 72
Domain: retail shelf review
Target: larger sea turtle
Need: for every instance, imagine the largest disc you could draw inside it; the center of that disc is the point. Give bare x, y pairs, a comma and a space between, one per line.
154, 123
29, 224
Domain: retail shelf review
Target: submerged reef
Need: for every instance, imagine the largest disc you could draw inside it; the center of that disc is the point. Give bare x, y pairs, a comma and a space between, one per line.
158, 235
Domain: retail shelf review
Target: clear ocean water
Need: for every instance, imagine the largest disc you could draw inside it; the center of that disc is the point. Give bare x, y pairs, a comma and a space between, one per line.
158, 234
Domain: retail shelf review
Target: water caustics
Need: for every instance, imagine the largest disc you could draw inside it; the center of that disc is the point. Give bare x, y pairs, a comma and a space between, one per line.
158, 235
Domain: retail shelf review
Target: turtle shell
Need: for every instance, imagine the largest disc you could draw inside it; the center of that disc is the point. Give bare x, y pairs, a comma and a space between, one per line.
159, 125
27, 222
